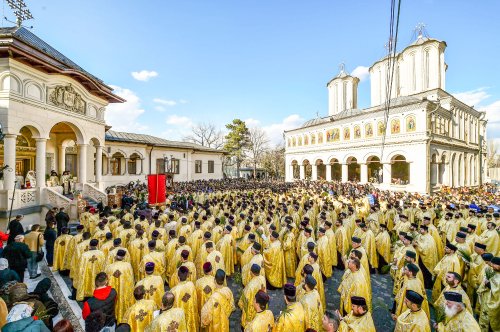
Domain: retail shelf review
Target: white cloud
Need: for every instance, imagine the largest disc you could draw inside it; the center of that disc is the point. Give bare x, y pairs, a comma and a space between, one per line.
124, 116
493, 116
179, 127
361, 72
250, 122
472, 97
165, 102
275, 130
144, 75
178, 120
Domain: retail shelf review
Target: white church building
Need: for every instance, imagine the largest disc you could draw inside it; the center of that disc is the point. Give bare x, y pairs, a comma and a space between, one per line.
424, 139
52, 119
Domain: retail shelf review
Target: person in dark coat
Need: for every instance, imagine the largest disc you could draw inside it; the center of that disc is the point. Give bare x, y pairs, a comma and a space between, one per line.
62, 219
17, 253
51, 215
49, 236
6, 274
41, 293
15, 228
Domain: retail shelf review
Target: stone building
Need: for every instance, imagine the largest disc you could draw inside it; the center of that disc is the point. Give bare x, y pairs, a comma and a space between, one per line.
421, 139
52, 118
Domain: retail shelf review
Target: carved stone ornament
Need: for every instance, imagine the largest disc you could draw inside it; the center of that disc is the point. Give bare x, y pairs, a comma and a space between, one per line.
66, 97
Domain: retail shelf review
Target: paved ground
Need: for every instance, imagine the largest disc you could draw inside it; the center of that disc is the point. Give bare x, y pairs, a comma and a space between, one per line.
381, 290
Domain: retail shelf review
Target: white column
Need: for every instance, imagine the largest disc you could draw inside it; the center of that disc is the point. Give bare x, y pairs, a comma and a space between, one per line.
302, 172
345, 172
9, 159
62, 159
328, 172
314, 173
98, 164
125, 167
41, 145
364, 173
387, 167
82, 169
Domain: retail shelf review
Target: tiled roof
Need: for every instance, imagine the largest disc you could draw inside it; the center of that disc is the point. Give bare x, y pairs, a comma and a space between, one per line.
118, 136
34, 41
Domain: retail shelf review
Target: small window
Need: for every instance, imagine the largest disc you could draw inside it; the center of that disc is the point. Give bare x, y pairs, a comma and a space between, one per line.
132, 166
175, 166
197, 166
160, 166
210, 166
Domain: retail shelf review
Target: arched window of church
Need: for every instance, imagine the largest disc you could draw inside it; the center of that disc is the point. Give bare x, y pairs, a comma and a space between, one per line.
347, 134
368, 130
357, 132
306, 140
300, 141
411, 124
380, 128
395, 126
320, 138
313, 139
413, 75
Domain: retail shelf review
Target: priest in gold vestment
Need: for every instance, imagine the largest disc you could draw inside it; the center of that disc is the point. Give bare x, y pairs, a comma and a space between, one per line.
324, 253
274, 262
91, 263
258, 259
489, 295
458, 318
140, 314
121, 278
359, 319
226, 247
292, 318
216, 311
245, 303
264, 319
449, 263
414, 319
186, 299
354, 284
153, 285
170, 318
60, 249
411, 282
205, 285
289, 251
311, 302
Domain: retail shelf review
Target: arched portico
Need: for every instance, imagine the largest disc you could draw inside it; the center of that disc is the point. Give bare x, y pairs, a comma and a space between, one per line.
353, 169
400, 170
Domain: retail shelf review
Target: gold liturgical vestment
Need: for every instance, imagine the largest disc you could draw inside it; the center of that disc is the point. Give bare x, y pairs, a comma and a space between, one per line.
217, 260
465, 298
313, 310
368, 242
383, 242
274, 265
289, 254
137, 249
91, 263
415, 285
463, 321
154, 288
263, 321
354, 284
413, 321
246, 274
291, 319
204, 289
226, 248
325, 256
121, 278
352, 323
216, 311
155, 257
171, 320
490, 303
140, 315
247, 297
60, 250
449, 263
185, 298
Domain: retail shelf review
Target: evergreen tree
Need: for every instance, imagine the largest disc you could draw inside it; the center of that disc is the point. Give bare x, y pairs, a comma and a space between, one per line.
237, 140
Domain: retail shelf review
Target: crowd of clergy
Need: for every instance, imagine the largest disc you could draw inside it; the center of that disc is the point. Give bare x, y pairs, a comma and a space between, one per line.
169, 272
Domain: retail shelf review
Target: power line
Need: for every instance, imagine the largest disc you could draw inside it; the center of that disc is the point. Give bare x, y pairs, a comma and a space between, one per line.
391, 64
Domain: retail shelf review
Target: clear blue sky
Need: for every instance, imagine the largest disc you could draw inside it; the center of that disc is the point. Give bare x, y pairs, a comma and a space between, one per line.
263, 60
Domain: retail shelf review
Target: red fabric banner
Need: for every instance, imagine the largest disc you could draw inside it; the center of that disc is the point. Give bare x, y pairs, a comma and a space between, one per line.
156, 188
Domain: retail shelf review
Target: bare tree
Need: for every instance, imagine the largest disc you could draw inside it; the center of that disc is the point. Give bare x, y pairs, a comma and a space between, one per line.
257, 147
206, 134
273, 161
492, 153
